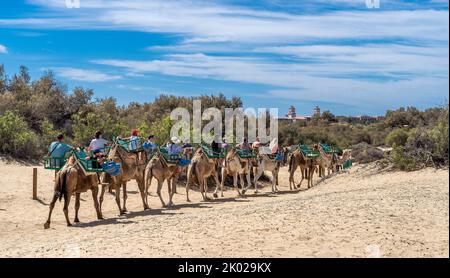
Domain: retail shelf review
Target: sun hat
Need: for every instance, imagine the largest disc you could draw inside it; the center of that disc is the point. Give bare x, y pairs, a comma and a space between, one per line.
175, 140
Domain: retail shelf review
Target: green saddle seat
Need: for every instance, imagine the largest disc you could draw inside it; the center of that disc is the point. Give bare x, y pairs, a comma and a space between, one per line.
347, 164
133, 146
326, 148
245, 153
308, 152
212, 154
54, 163
169, 158
89, 165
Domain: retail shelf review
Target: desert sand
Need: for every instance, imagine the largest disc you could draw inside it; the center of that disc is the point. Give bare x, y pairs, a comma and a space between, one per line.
360, 213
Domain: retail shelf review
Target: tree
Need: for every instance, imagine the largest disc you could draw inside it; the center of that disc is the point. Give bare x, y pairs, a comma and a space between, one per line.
15, 136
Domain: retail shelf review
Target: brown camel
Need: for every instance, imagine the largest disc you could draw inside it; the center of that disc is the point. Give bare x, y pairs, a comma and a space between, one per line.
72, 180
161, 170
187, 154
266, 163
346, 155
133, 167
201, 168
326, 161
307, 167
235, 166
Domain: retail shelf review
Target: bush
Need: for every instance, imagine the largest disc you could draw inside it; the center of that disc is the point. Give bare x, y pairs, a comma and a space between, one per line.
397, 137
16, 138
365, 153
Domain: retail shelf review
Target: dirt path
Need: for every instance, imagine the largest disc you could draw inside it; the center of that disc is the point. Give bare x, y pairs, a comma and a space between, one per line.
356, 214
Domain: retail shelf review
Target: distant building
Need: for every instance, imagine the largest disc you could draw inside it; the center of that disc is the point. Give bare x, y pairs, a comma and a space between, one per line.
292, 116
317, 112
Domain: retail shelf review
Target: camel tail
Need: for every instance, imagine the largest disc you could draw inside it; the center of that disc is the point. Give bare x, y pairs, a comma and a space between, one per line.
62, 181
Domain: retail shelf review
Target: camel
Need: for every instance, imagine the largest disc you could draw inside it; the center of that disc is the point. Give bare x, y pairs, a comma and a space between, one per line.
161, 170
325, 161
201, 168
187, 154
307, 167
133, 167
341, 160
265, 163
235, 166
72, 180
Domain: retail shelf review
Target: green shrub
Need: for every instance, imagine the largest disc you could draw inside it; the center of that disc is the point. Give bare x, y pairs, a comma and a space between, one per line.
16, 138
397, 137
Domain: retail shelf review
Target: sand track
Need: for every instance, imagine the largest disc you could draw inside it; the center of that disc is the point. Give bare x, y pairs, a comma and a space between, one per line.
357, 214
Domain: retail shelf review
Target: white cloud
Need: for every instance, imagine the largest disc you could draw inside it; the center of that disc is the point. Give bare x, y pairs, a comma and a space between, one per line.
3, 49
85, 75
203, 21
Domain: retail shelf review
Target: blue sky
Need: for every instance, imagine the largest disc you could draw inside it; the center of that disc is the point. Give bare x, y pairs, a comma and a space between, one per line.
338, 54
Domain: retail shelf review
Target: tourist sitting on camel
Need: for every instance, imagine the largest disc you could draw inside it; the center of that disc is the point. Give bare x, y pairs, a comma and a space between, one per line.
174, 147
97, 147
58, 149
244, 145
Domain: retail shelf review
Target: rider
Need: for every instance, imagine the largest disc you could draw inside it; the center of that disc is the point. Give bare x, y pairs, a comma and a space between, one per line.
97, 146
134, 139
244, 145
150, 144
257, 144
58, 149
174, 146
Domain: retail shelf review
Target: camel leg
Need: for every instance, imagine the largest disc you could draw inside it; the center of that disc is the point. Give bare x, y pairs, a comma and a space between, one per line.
52, 205
310, 177
304, 176
117, 190
187, 189
77, 207
125, 197
96, 204
249, 182
257, 177
205, 188
291, 178
148, 183
274, 181
224, 175
102, 194
172, 184
66, 208
216, 179
141, 186
235, 182
158, 191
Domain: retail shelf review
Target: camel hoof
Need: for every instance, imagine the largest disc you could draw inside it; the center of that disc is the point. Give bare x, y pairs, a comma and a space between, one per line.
76, 220
100, 218
243, 191
256, 191
215, 195
47, 225
69, 224
188, 200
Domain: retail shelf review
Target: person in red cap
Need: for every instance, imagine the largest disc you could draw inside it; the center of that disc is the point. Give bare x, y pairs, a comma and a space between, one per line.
134, 139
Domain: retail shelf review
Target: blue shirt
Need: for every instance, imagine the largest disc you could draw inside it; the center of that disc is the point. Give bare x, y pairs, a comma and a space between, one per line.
149, 145
58, 149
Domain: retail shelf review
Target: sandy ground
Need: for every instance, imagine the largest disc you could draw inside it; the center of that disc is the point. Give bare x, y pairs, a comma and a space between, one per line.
361, 213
